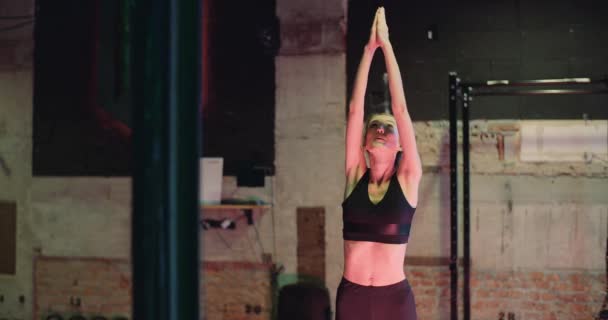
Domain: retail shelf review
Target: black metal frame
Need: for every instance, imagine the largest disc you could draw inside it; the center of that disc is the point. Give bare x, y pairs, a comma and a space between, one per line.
463, 93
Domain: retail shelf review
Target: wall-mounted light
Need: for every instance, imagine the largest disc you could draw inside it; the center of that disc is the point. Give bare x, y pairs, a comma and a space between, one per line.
431, 33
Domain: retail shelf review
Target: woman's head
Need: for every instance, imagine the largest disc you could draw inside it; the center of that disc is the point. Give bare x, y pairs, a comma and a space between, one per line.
381, 132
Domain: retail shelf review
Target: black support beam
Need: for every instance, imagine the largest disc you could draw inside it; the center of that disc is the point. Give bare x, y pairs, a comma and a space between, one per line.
453, 85
166, 98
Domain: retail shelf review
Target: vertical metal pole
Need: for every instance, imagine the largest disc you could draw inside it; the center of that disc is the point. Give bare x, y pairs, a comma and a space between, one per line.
166, 95
184, 140
149, 161
453, 97
466, 202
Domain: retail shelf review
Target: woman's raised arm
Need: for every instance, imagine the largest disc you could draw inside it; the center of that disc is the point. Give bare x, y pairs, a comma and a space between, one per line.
354, 128
410, 166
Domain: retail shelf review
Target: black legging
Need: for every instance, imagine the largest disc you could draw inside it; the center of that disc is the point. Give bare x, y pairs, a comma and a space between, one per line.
391, 302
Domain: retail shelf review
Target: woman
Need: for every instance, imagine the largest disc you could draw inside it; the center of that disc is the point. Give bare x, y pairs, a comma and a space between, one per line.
380, 200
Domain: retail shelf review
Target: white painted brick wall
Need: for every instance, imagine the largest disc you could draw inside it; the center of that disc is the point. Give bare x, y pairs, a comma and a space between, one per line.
310, 128
15, 151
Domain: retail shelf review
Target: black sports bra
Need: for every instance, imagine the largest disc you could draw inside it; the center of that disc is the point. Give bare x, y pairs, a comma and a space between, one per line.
388, 221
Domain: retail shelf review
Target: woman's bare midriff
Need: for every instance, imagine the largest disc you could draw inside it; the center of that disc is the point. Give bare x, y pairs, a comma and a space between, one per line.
372, 263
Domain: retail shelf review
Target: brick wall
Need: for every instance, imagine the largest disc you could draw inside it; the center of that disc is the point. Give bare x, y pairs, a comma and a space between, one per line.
237, 291
529, 295
242, 290
97, 286
88, 286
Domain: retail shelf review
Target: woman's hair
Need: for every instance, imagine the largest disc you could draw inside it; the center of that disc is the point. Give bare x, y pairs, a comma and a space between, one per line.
367, 119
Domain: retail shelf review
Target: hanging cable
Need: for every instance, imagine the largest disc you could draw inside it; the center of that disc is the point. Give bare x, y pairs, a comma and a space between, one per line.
248, 213
257, 235
219, 235
253, 250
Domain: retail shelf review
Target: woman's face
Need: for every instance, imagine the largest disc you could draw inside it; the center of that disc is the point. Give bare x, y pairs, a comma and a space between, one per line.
382, 132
